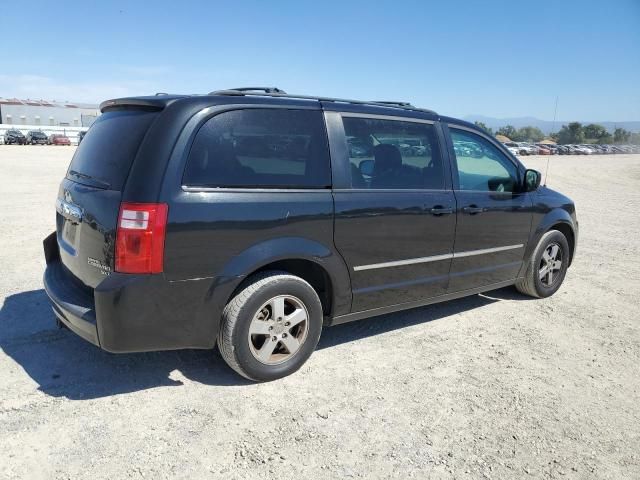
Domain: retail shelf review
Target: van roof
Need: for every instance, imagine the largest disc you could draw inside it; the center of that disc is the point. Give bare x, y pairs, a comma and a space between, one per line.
272, 96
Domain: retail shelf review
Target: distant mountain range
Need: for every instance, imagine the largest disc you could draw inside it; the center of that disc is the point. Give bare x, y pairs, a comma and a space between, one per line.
547, 126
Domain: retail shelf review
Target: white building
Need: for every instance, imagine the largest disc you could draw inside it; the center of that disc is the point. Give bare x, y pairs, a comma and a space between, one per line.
43, 113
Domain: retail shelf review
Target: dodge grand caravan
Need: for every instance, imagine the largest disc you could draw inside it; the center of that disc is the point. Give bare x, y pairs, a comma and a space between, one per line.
251, 219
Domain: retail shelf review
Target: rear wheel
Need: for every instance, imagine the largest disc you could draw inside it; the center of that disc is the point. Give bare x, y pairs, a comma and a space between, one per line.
547, 266
271, 326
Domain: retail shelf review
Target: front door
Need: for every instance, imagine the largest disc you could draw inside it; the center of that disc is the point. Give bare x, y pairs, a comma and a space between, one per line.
394, 210
493, 215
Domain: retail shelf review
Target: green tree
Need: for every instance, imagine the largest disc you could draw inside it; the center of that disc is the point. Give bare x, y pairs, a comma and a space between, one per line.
528, 134
606, 140
594, 131
572, 133
507, 131
620, 135
635, 138
484, 127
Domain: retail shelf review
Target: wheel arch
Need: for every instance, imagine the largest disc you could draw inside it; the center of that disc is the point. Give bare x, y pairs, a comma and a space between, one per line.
567, 230
560, 220
321, 266
308, 270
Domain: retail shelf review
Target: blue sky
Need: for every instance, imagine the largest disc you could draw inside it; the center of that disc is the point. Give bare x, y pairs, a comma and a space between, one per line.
495, 58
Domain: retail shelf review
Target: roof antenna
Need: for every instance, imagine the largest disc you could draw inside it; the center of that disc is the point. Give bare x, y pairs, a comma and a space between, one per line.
553, 128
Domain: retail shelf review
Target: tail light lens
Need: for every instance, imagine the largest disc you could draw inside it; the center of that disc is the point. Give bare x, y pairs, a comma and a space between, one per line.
140, 237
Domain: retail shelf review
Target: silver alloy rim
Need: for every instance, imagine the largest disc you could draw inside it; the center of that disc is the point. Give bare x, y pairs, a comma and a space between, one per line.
550, 265
278, 329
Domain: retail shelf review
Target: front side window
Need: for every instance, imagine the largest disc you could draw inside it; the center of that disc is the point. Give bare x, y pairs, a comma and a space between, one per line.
260, 148
481, 166
392, 154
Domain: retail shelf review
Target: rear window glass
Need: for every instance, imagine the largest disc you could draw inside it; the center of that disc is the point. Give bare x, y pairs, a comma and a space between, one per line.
110, 145
260, 148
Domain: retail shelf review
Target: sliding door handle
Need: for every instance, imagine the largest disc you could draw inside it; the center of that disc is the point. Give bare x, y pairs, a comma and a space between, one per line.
438, 210
473, 209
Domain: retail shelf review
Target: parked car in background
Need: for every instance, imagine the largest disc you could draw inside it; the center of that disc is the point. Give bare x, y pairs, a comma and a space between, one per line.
528, 148
58, 139
552, 149
583, 150
567, 150
37, 137
519, 148
543, 150
514, 150
14, 137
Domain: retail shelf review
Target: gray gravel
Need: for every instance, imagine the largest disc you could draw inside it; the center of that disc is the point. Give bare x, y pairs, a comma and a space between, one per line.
491, 386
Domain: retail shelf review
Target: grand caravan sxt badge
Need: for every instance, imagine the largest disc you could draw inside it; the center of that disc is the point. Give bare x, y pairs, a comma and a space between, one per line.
104, 268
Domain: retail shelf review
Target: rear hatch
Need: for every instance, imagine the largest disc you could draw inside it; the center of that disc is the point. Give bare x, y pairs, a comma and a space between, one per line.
89, 196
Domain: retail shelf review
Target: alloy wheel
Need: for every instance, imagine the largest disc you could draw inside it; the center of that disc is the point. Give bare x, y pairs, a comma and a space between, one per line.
278, 329
550, 265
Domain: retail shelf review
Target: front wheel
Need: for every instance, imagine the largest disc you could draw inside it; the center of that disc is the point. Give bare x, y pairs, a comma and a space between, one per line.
271, 326
547, 266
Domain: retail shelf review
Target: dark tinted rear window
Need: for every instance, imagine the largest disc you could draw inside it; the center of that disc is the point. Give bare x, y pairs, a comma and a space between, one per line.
260, 148
110, 145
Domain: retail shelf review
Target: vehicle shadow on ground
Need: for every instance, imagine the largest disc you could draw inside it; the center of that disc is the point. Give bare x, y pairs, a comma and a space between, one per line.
64, 365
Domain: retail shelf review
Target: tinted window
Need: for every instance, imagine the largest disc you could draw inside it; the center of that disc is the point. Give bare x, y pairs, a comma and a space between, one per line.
110, 145
389, 154
260, 148
481, 166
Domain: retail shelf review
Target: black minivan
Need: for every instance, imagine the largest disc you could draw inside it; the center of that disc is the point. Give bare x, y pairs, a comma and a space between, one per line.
252, 219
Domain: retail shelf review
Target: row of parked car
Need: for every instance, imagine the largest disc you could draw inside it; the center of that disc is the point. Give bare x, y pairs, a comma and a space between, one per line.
523, 148
37, 137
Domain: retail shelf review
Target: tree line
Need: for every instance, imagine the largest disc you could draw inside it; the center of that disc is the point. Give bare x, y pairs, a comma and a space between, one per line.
573, 133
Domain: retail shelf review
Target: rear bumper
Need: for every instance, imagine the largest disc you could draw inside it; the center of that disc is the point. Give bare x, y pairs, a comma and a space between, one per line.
72, 307
135, 313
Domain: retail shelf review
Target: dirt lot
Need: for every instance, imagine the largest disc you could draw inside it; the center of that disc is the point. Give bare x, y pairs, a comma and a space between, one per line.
492, 386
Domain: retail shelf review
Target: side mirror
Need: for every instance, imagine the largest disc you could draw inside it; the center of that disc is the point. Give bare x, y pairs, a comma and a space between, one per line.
532, 180
366, 167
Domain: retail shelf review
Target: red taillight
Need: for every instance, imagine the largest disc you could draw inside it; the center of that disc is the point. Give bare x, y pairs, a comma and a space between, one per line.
140, 237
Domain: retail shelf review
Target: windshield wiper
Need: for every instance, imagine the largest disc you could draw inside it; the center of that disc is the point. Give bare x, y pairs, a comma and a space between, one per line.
95, 181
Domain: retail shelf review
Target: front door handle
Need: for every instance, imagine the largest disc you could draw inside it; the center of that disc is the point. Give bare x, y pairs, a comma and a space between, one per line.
473, 209
439, 210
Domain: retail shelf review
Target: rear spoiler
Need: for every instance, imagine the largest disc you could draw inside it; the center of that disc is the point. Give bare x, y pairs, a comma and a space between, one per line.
152, 103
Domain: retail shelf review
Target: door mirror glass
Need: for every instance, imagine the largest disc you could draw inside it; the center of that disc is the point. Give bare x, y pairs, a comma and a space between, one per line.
531, 180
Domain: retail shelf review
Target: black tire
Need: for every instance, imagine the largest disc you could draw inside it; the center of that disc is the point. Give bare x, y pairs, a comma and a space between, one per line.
532, 284
233, 337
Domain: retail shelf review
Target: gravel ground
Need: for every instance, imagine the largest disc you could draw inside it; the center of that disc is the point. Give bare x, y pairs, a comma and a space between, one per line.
491, 386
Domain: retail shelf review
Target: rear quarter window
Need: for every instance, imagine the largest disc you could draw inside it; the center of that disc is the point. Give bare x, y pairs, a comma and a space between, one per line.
110, 145
260, 148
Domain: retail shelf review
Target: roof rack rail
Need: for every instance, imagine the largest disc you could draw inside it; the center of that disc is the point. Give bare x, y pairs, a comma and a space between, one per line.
392, 103
270, 92
256, 89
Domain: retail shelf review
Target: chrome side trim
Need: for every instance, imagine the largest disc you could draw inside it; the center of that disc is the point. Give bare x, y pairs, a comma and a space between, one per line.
399, 263
435, 258
471, 253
